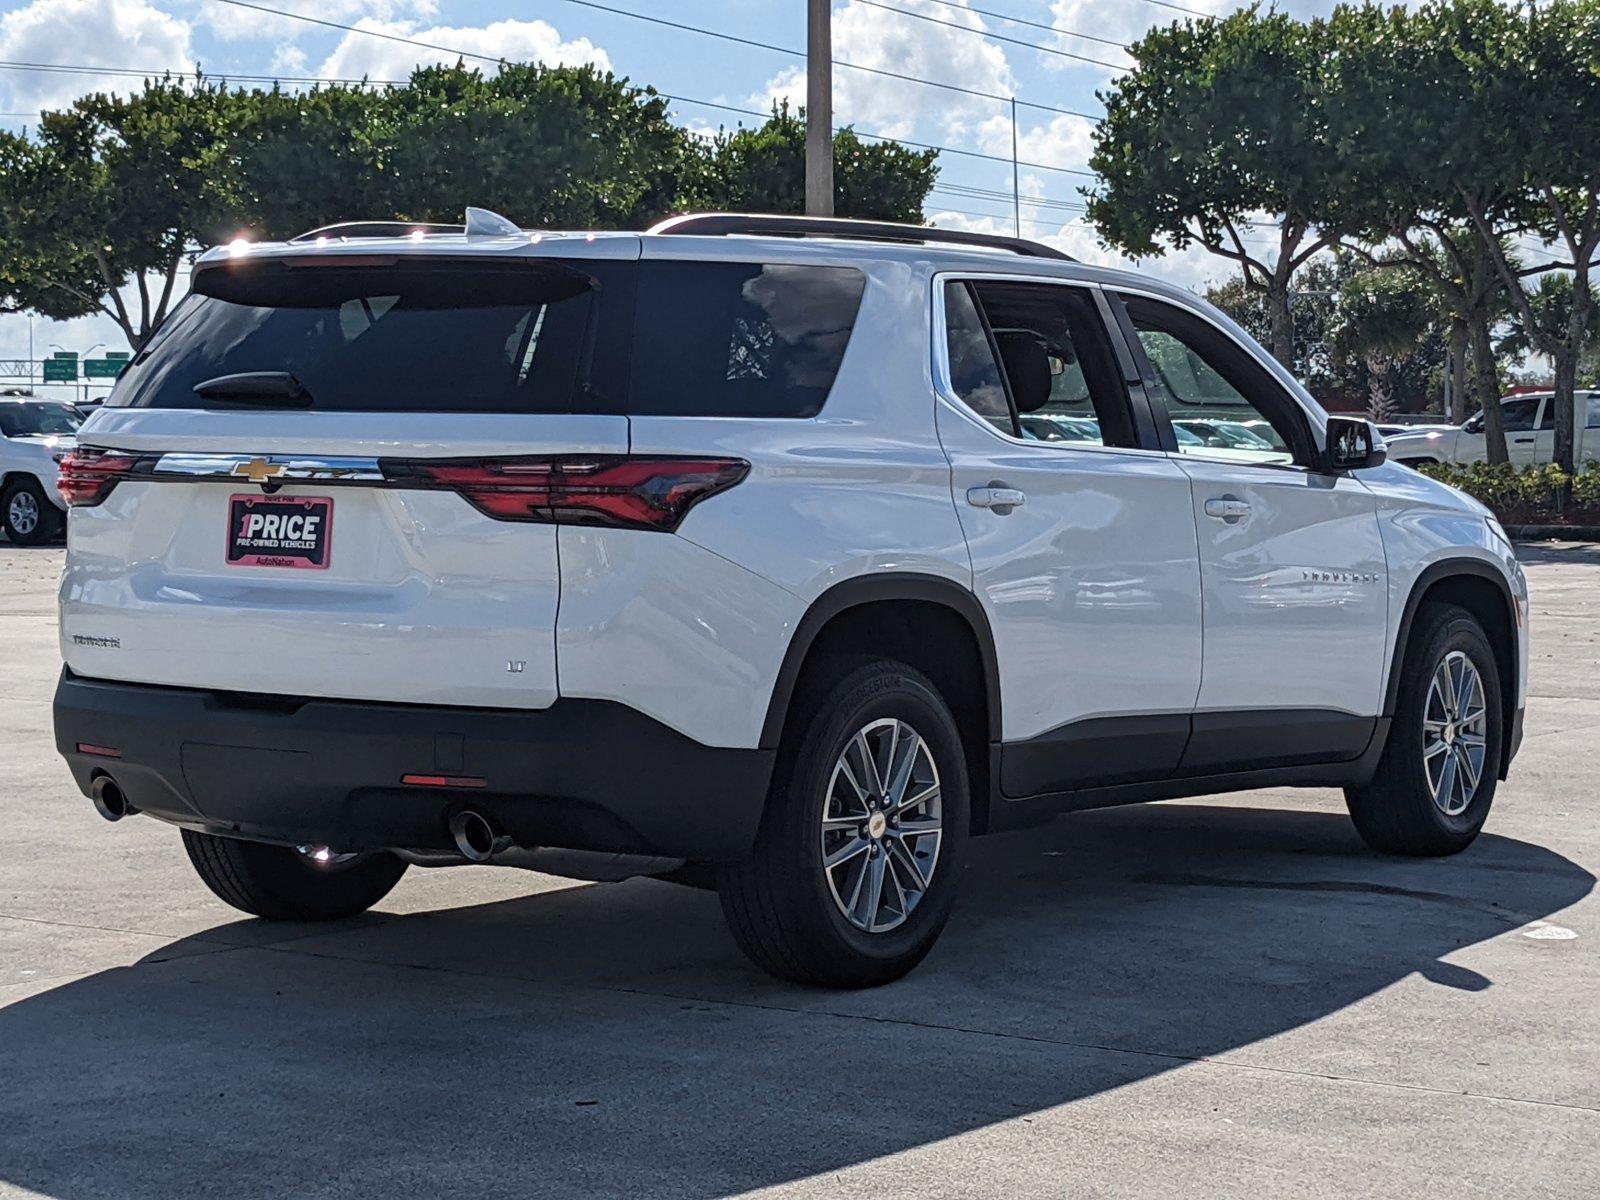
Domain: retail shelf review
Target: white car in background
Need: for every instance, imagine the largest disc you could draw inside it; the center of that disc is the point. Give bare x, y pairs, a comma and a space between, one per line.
1530, 422
35, 435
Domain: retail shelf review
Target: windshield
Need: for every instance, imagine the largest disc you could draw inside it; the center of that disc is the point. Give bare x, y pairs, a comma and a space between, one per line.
38, 418
377, 338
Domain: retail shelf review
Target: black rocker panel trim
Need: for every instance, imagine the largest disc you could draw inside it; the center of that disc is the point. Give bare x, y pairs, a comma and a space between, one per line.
1148, 748
1095, 752
1253, 740
873, 589
1020, 813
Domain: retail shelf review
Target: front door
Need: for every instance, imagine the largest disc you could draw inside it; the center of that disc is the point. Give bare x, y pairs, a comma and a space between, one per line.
1082, 539
1291, 560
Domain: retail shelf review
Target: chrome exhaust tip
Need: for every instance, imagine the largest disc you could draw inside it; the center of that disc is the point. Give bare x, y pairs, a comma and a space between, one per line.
475, 838
108, 799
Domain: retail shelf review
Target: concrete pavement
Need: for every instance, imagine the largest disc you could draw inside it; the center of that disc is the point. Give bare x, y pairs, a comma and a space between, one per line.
1206, 998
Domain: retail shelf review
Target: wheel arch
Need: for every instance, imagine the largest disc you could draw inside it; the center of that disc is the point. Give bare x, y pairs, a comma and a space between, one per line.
1481, 589
908, 612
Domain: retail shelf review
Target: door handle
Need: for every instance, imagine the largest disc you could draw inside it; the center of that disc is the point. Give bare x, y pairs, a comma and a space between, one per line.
1522, 441
1228, 508
996, 496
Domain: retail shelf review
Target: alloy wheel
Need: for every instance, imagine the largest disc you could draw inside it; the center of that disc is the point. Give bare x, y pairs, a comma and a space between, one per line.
1455, 733
23, 513
881, 825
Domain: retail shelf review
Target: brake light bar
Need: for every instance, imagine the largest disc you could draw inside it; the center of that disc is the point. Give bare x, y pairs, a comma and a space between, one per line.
86, 476
617, 490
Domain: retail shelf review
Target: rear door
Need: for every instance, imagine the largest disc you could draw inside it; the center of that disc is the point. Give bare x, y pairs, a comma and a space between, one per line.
334, 471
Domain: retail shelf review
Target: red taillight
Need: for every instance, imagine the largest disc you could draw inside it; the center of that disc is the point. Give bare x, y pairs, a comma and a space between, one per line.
444, 781
86, 476
626, 491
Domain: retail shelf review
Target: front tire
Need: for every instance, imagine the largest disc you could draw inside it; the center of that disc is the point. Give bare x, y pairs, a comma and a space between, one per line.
1436, 780
282, 883
854, 870
27, 514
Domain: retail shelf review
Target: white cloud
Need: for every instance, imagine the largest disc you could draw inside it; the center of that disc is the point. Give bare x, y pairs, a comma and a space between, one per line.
231, 23
362, 56
1123, 22
887, 41
103, 33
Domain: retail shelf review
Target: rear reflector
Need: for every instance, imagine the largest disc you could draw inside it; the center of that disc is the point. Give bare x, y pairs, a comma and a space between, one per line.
623, 491
444, 781
98, 751
87, 475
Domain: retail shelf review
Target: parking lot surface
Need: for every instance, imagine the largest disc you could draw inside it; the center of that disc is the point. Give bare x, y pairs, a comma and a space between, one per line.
1195, 998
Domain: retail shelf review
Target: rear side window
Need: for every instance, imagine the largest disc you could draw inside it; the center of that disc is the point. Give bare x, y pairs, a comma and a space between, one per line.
381, 338
722, 339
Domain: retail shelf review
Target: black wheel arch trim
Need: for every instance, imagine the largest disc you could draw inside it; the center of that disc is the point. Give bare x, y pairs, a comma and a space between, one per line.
874, 589
1426, 579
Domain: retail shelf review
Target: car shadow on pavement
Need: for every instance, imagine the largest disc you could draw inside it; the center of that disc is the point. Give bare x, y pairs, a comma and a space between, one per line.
608, 1040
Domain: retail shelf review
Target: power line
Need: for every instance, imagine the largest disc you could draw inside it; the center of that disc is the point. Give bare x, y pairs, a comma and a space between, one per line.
1047, 27
998, 37
800, 54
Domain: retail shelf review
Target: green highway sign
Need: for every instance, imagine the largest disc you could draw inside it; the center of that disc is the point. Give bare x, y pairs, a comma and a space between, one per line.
103, 368
61, 369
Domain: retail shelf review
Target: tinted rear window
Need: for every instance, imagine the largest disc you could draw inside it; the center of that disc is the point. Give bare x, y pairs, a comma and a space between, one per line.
385, 338
740, 339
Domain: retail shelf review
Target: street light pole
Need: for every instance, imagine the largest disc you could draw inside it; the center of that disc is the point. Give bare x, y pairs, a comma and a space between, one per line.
819, 108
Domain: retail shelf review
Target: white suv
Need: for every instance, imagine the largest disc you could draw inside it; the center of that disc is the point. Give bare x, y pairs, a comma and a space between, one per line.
35, 435
777, 552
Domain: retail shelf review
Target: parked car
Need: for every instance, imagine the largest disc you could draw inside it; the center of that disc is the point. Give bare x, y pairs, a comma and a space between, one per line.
1530, 424
669, 553
35, 435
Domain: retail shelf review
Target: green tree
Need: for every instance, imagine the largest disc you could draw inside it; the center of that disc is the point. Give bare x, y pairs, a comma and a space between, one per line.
763, 170
1218, 131
1536, 171
112, 194
1381, 317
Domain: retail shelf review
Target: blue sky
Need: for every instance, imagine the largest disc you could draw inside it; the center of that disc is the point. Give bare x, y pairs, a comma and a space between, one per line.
945, 43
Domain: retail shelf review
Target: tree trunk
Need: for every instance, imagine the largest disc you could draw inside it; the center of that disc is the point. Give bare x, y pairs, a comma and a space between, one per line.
1380, 396
1282, 322
1566, 370
1456, 409
1486, 390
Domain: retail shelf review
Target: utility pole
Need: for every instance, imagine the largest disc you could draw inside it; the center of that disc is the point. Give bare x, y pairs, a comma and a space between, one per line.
819, 108
1016, 187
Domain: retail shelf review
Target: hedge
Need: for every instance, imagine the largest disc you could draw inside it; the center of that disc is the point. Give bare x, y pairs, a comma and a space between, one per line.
1534, 496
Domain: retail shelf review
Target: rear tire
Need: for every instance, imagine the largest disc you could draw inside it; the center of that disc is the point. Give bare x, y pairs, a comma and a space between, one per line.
1436, 780
282, 884
27, 514
864, 921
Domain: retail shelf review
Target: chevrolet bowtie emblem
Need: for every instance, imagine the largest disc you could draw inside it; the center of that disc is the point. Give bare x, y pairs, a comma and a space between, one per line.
259, 470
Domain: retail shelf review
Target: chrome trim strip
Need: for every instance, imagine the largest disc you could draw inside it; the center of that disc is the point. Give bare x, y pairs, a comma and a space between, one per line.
276, 468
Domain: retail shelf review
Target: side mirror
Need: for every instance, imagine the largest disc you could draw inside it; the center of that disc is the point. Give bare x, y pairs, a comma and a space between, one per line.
1352, 444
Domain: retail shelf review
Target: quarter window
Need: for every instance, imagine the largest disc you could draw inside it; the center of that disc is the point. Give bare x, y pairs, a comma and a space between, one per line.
974, 370
740, 339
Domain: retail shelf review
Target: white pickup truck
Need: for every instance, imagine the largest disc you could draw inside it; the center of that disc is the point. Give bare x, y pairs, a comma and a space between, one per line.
1530, 421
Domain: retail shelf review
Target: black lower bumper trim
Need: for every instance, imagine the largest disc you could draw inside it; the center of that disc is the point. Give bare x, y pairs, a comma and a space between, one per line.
582, 774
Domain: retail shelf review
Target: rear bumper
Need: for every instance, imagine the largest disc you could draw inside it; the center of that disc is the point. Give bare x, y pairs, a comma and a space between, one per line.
582, 774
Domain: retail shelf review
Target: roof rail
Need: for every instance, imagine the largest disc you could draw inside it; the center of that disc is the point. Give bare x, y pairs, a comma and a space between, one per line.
375, 229
769, 225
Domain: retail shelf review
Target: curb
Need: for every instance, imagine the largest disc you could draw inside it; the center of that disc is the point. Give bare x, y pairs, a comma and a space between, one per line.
1565, 533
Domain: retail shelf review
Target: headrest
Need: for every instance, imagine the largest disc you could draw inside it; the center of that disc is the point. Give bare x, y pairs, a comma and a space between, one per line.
1027, 366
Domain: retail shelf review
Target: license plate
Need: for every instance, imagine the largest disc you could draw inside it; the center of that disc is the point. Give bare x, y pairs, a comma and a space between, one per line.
279, 531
